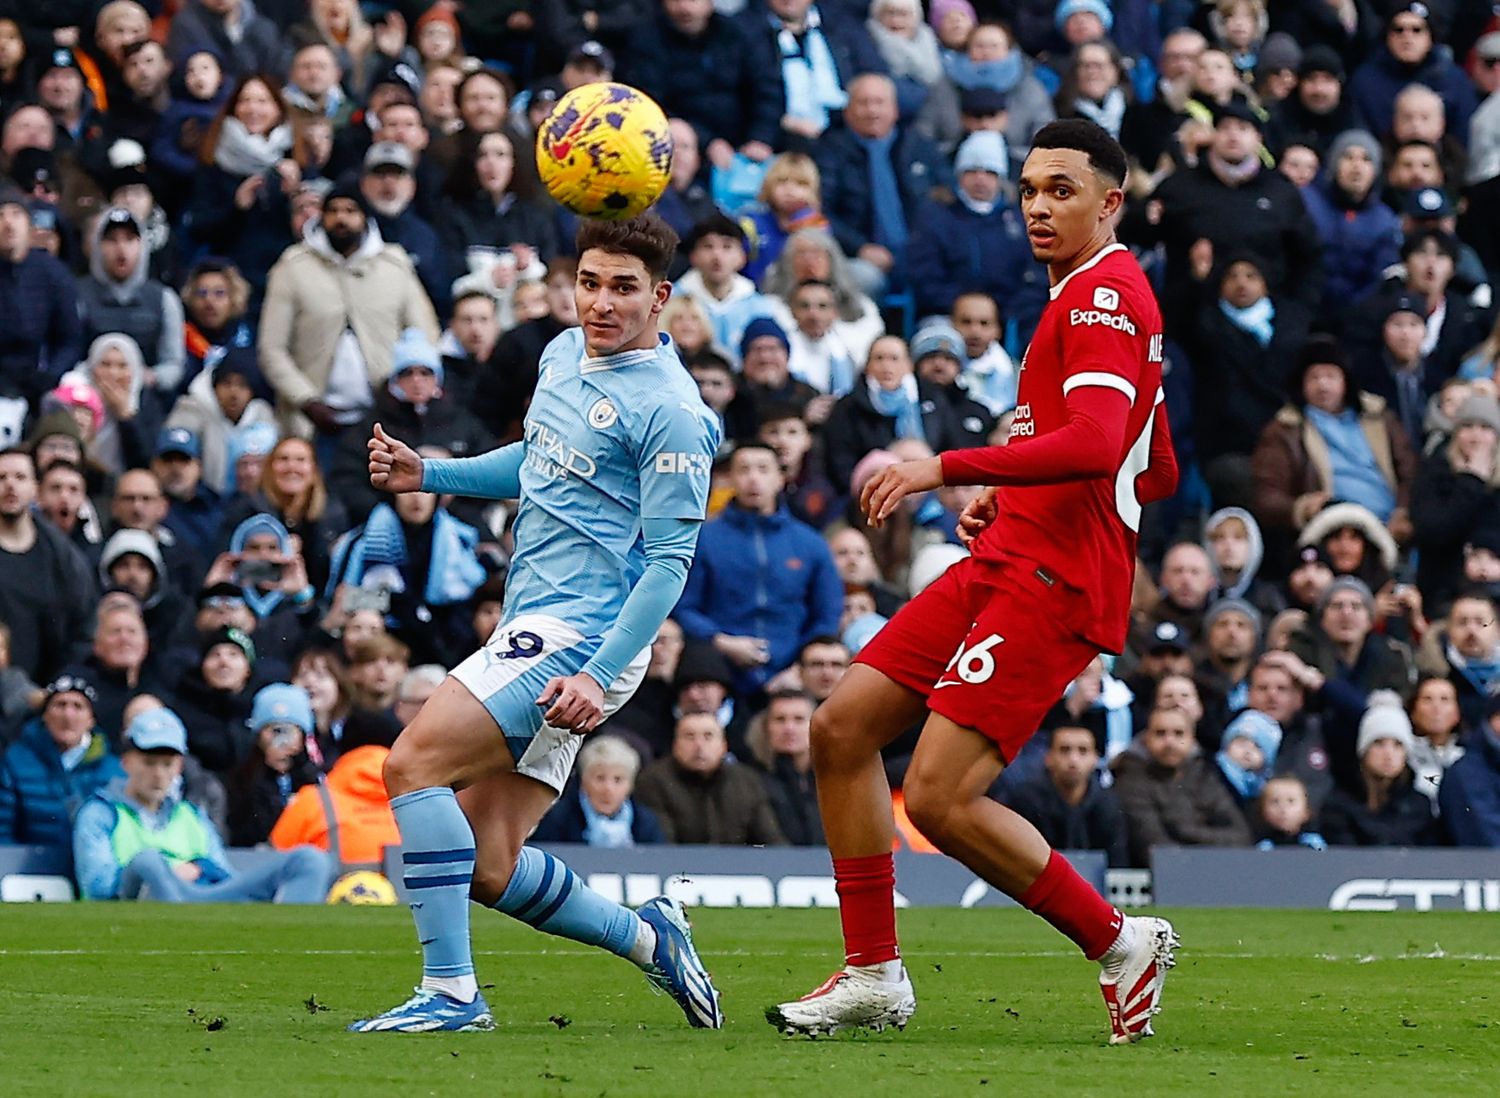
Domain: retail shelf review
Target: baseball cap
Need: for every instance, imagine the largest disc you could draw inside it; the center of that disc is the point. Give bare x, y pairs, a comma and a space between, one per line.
592, 53
1321, 58
282, 703
11, 195
1238, 107
178, 440
157, 730
225, 590
1165, 635
118, 217
228, 634
1313, 554
1429, 202
1413, 7
389, 154
401, 75
1404, 303
61, 58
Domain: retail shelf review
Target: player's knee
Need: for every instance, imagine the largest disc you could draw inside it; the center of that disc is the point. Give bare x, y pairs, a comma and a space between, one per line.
929, 806
833, 739
403, 771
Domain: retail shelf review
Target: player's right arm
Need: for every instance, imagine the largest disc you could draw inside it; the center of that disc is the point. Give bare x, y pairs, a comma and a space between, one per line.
395, 467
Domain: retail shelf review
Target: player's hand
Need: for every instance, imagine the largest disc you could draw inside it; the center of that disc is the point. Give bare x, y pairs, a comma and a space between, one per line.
187, 871
394, 466
977, 516
575, 703
887, 488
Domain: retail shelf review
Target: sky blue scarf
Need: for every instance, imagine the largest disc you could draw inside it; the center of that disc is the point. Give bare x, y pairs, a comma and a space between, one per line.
1002, 75
808, 71
454, 572
608, 831
885, 192
261, 603
901, 405
1258, 319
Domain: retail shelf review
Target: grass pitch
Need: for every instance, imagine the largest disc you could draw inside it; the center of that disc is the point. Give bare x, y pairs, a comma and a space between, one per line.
141, 999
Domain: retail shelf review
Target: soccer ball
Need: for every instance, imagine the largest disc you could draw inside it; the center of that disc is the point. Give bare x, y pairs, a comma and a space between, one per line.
605, 151
363, 886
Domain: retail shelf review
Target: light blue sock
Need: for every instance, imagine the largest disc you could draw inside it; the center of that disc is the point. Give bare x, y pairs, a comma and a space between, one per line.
545, 894
437, 855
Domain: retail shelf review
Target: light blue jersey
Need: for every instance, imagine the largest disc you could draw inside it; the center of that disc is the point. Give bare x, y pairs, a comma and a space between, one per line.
609, 442
613, 479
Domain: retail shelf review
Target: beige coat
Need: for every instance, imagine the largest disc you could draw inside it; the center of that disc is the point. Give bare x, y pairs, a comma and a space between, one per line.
312, 294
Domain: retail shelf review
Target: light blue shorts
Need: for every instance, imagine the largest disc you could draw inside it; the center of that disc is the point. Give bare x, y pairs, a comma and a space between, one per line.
512, 669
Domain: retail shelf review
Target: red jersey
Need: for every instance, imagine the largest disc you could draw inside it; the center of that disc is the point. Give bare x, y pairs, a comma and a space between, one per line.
1076, 514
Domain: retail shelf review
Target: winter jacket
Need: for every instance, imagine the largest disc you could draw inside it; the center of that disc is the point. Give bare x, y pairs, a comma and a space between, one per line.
477, 222
794, 799
1462, 327
1375, 84
1264, 215
198, 410
94, 858
1291, 123
1189, 806
1096, 823
255, 46
217, 733
844, 168
137, 306
47, 598
425, 249
182, 127
716, 81
38, 797
444, 422
40, 334
258, 795
253, 240
1447, 507
1359, 243
955, 251
1291, 459
1238, 384
728, 807
764, 576
361, 808
1470, 793
854, 428
1404, 820
566, 823
853, 50
313, 294
1265, 597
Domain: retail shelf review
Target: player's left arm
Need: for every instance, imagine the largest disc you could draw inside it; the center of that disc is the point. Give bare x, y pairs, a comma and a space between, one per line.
494, 475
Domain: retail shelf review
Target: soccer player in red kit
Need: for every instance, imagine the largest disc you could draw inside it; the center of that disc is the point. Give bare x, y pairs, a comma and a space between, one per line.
989, 647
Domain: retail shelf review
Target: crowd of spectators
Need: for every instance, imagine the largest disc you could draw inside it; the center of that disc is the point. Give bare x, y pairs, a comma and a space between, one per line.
234, 234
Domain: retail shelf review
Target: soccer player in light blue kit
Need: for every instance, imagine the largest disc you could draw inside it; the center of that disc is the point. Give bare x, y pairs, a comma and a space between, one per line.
613, 478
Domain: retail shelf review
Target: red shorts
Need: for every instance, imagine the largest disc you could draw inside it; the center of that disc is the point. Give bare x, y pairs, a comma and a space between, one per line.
992, 646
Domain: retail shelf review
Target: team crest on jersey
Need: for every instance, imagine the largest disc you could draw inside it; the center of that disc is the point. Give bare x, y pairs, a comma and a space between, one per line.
1105, 298
603, 415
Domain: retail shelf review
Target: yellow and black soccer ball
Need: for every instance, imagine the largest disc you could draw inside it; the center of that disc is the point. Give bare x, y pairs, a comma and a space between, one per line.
605, 151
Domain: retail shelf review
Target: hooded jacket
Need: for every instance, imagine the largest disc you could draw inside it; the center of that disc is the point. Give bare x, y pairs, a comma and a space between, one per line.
361, 806
137, 306
1257, 592
163, 608
120, 444
764, 576
313, 295
198, 410
39, 796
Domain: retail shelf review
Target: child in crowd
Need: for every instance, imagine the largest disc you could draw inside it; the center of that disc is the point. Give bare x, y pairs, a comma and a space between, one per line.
1247, 755
1286, 816
716, 252
789, 200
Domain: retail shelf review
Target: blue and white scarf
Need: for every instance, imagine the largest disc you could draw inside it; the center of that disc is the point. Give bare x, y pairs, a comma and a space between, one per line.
453, 574
607, 831
261, 603
1002, 75
808, 71
901, 405
1258, 319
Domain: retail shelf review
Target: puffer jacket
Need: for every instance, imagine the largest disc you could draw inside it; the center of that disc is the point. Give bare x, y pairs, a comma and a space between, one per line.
728, 807
38, 797
1189, 806
1359, 242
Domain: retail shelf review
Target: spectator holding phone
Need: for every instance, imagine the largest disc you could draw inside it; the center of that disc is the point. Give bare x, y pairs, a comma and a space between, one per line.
281, 719
265, 562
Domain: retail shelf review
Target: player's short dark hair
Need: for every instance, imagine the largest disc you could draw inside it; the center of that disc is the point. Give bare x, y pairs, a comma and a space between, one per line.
646, 237
715, 224
1106, 157
1418, 239
778, 411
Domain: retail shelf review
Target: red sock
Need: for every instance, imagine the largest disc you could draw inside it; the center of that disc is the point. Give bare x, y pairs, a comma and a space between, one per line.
1070, 904
867, 907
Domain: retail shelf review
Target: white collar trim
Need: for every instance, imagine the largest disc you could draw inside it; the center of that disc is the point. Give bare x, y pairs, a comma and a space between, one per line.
1056, 291
616, 361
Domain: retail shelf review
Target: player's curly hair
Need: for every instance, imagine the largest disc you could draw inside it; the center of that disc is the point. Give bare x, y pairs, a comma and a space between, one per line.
1105, 154
646, 236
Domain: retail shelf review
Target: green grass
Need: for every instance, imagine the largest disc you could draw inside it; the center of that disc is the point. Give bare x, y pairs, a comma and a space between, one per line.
125, 1000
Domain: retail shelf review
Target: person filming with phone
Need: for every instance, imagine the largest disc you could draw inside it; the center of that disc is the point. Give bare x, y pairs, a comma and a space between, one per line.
265, 562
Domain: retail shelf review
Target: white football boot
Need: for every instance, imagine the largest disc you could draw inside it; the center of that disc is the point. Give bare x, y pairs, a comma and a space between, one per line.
1132, 982
852, 998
